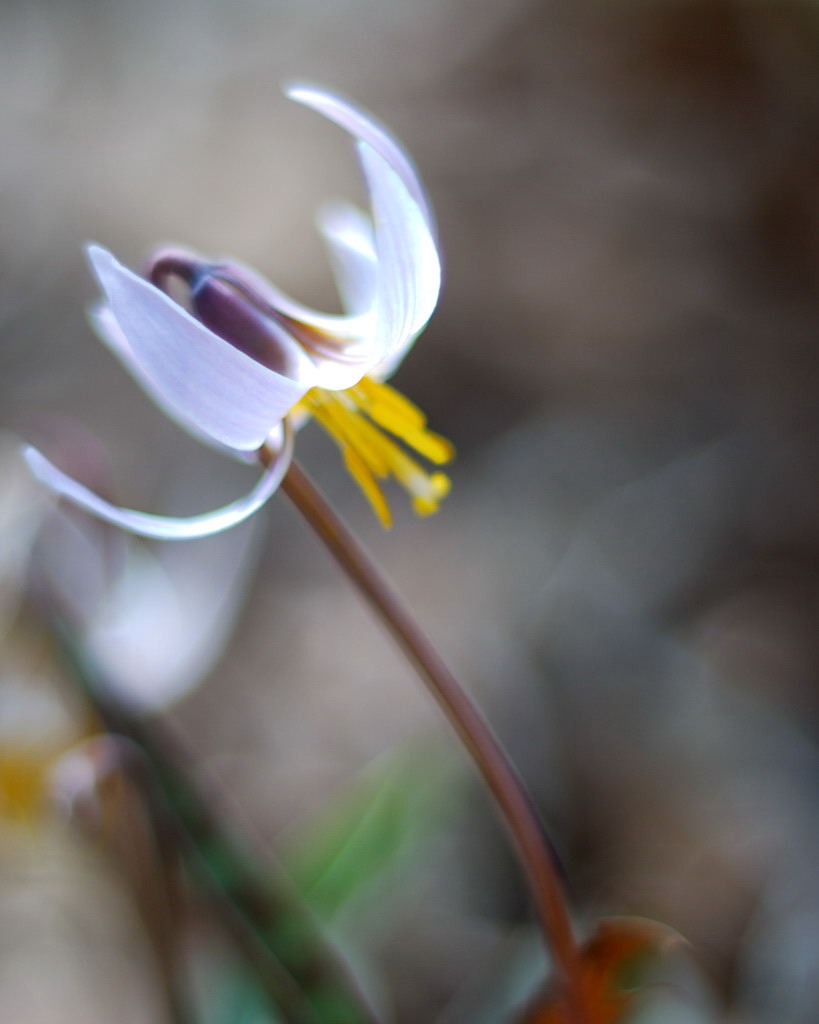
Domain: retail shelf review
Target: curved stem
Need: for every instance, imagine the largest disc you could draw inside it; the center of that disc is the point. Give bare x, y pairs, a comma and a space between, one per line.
534, 850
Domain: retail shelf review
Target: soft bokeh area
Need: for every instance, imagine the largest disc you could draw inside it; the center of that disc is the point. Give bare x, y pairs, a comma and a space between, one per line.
626, 574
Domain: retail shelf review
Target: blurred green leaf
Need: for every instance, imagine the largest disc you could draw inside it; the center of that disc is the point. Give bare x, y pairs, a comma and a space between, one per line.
237, 999
366, 833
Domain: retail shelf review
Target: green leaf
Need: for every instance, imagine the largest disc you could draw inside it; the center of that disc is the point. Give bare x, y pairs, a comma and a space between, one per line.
237, 999
366, 833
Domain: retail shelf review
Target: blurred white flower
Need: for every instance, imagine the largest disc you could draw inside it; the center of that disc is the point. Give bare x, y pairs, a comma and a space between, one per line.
150, 622
248, 361
168, 618
36, 724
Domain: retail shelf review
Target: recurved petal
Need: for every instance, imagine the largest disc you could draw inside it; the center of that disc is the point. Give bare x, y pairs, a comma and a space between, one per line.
348, 232
110, 333
367, 129
197, 378
339, 327
409, 269
163, 527
340, 348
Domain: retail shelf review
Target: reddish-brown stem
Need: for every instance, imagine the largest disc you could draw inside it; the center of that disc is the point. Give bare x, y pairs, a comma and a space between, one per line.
535, 853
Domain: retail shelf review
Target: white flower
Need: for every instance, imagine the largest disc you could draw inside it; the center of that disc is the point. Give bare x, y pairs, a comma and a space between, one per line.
151, 620
249, 361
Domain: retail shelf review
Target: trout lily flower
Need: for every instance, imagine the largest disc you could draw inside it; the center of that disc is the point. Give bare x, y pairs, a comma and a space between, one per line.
244, 364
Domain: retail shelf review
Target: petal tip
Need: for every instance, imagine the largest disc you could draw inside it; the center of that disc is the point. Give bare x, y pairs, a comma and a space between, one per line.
34, 459
96, 253
102, 261
305, 92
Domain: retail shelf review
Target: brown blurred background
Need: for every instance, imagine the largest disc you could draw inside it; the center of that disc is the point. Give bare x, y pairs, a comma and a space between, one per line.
625, 355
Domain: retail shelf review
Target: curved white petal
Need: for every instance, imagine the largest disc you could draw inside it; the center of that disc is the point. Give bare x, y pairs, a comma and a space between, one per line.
348, 232
367, 129
409, 270
341, 349
207, 385
163, 527
338, 326
333, 374
407, 279
107, 329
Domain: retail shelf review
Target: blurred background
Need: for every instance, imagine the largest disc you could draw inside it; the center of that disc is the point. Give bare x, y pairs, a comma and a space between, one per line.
626, 573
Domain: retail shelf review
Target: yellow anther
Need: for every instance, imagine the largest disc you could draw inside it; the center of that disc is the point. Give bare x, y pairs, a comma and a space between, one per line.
378, 393
356, 420
360, 472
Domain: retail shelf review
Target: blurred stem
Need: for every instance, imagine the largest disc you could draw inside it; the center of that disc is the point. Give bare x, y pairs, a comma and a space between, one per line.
281, 944
535, 852
115, 813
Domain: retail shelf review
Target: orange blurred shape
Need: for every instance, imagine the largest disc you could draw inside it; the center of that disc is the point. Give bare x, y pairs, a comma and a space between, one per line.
614, 963
22, 783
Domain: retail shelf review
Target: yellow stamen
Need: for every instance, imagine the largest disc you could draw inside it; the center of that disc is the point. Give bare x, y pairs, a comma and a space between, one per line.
373, 391
392, 411
360, 472
356, 420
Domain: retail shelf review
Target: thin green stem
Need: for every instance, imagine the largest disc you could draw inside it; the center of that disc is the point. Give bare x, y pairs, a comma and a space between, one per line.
534, 849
